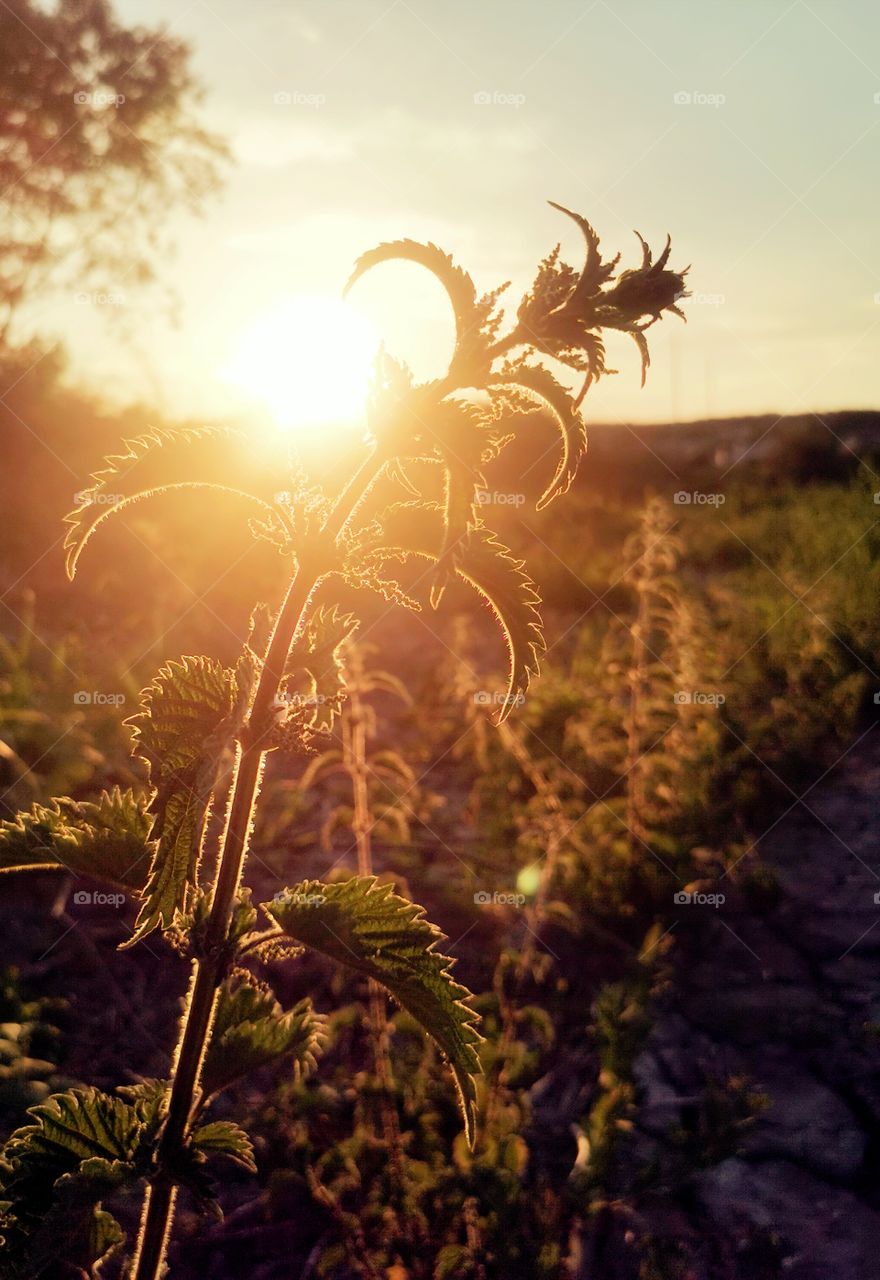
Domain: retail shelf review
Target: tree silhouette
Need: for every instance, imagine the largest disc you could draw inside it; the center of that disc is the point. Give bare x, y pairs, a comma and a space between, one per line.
99, 137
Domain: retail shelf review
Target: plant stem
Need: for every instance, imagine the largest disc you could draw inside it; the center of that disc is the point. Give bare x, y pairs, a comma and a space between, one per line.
209, 970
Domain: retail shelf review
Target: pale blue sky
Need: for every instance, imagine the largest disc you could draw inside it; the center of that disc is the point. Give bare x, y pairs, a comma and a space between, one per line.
767, 179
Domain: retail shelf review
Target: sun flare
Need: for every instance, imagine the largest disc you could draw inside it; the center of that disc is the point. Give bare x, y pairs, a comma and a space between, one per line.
308, 361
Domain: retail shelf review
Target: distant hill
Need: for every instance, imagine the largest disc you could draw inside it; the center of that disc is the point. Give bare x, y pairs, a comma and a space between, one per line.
768, 448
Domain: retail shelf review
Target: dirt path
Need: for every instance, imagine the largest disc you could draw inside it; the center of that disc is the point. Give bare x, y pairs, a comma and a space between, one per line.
790, 998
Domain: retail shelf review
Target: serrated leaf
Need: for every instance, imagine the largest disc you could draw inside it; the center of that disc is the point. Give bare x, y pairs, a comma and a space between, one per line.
78, 1125
108, 839
318, 653
416, 529
251, 1030
158, 460
224, 1138
540, 384
182, 731
82, 1145
368, 927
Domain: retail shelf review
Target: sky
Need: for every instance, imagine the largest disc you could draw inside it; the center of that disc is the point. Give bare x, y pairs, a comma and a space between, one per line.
749, 130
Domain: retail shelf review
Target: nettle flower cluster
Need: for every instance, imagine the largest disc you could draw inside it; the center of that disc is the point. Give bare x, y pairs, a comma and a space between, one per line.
286, 692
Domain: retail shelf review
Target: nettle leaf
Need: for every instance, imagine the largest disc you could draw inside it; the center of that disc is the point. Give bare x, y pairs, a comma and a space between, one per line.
159, 460
186, 724
540, 385
318, 655
368, 927
82, 1124
474, 318
417, 529
108, 839
251, 1031
224, 1138
82, 1145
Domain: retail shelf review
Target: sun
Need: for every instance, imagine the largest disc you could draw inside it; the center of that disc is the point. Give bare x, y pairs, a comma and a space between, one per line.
308, 360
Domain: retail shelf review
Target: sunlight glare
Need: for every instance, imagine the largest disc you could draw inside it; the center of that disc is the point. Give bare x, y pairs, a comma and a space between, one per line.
309, 361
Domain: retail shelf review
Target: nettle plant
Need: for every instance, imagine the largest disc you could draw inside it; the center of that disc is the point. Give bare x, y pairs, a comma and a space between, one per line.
284, 693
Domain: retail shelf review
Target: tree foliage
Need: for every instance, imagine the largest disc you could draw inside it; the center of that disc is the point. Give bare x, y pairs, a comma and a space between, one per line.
99, 136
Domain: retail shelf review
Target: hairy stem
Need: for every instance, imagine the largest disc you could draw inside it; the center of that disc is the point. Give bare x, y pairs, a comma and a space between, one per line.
209, 970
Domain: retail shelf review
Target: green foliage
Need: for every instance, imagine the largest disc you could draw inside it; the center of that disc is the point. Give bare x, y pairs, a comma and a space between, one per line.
82, 1146
31, 1046
224, 1138
251, 1030
187, 723
368, 927
109, 839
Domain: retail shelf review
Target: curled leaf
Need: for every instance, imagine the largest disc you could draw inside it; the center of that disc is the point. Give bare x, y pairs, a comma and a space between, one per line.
159, 460
416, 529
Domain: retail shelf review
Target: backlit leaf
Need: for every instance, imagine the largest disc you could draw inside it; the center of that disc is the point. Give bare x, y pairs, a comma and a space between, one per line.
185, 725
108, 839
159, 460
251, 1031
368, 927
